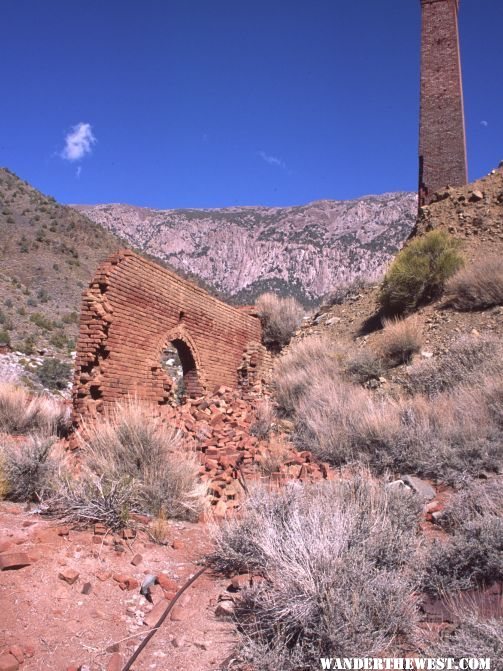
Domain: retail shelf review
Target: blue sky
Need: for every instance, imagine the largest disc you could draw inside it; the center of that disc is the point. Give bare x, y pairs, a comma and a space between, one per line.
199, 103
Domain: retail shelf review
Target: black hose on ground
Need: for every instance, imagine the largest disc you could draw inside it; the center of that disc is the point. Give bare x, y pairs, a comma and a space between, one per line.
170, 605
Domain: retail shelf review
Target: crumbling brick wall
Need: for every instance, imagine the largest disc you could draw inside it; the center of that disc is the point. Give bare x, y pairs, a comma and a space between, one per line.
131, 311
442, 143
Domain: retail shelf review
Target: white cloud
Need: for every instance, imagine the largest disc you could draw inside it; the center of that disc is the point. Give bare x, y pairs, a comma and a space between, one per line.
484, 123
78, 142
272, 160
78, 171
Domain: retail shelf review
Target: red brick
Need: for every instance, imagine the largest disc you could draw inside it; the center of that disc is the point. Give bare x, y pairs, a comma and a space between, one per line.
14, 560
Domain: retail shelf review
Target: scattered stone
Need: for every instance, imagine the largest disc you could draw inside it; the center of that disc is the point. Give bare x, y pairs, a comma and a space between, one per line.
114, 647
178, 641
225, 609
151, 619
427, 355
126, 582
100, 530
103, 575
422, 488
177, 545
115, 662
168, 584
14, 560
87, 588
476, 196
69, 575
395, 484
241, 581
178, 614
136, 560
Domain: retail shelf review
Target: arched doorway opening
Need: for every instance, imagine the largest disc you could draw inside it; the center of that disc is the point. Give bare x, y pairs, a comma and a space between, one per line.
178, 361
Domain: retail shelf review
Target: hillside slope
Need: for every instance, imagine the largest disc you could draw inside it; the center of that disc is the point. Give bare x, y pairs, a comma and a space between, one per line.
48, 254
471, 213
242, 251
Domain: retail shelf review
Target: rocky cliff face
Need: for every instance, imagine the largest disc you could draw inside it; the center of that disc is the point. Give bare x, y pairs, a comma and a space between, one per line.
242, 251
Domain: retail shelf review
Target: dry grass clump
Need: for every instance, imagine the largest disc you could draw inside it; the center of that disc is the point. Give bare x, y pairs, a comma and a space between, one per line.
264, 419
478, 286
276, 455
476, 499
364, 365
132, 462
91, 498
469, 358
29, 469
338, 561
459, 433
280, 318
345, 292
307, 361
419, 272
21, 412
474, 637
401, 338
473, 554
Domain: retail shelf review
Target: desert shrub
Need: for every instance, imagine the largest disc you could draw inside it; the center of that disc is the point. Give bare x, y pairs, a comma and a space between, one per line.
476, 499
478, 286
458, 433
467, 357
332, 583
92, 498
4, 337
130, 445
472, 557
39, 320
54, 374
401, 338
419, 272
364, 365
21, 412
28, 469
59, 340
307, 362
264, 418
280, 318
275, 456
345, 292
474, 637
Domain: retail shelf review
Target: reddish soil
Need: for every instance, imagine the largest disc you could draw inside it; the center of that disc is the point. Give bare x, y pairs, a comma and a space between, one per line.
57, 626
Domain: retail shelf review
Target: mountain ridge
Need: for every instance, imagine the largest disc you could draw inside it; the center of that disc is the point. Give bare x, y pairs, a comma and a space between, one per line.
242, 250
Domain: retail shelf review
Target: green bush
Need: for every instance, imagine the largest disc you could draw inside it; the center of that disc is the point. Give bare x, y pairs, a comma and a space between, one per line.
54, 374
41, 321
418, 273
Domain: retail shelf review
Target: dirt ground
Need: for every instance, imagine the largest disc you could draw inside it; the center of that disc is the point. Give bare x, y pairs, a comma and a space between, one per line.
55, 625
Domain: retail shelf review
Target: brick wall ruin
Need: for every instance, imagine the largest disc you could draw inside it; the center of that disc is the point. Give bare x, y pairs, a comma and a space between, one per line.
442, 144
132, 310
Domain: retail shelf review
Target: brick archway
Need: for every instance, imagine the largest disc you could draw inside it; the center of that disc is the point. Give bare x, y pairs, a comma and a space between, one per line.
193, 376
131, 310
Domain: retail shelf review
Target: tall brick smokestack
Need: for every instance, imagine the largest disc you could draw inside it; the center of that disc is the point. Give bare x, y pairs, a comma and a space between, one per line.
442, 143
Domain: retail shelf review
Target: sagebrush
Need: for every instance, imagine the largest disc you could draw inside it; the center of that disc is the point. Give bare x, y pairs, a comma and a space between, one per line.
332, 582
280, 318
